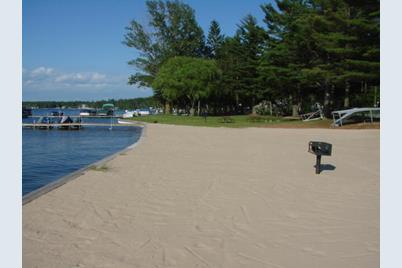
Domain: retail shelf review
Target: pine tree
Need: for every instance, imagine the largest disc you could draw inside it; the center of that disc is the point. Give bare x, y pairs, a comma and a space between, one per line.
228, 90
215, 40
252, 39
326, 49
288, 52
347, 41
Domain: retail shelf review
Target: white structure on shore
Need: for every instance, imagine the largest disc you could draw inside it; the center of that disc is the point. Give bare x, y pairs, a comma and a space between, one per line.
355, 115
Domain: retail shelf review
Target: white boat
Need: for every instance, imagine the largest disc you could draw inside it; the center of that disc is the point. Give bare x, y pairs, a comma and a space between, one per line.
87, 112
128, 114
119, 121
141, 112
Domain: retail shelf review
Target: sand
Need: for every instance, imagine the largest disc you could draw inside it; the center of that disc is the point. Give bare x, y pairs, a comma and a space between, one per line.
216, 197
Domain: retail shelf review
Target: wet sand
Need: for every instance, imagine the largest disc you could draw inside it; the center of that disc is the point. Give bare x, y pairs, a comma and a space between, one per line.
216, 197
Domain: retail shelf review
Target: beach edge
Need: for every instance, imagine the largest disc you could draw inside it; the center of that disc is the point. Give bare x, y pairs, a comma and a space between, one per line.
29, 197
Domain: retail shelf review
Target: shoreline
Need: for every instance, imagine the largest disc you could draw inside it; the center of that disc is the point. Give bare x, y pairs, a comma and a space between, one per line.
75, 174
216, 197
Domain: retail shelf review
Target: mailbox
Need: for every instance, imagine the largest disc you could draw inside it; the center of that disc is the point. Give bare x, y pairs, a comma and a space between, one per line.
319, 148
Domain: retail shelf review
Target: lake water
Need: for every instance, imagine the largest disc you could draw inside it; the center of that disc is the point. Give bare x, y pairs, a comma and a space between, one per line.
48, 155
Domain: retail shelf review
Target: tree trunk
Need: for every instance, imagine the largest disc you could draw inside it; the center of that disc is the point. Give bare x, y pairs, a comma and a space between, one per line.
199, 108
253, 110
327, 99
331, 100
168, 108
290, 103
236, 108
346, 102
270, 107
192, 110
295, 110
294, 107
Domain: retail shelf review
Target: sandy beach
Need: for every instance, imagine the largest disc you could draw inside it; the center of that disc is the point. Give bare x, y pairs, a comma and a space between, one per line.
216, 197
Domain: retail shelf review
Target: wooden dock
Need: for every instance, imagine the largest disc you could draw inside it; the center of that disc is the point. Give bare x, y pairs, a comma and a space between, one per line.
75, 116
77, 125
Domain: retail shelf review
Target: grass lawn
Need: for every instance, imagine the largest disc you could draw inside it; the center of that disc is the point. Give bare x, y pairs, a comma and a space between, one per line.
235, 121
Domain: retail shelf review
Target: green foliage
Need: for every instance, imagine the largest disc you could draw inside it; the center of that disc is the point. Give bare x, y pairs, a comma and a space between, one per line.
308, 51
252, 40
240, 87
234, 121
214, 41
321, 48
173, 31
185, 77
229, 62
264, 108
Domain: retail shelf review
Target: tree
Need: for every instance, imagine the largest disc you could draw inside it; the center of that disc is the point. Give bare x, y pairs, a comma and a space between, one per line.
173, 31
289, 50
346, 38
252, 39
186, 77
326, 49
228, 89
239, 58
311, 51
215, 40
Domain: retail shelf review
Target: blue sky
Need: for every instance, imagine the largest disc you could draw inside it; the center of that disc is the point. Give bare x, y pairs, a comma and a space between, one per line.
72, 49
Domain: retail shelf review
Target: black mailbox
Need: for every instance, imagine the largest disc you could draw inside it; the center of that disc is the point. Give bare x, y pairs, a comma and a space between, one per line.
319, 148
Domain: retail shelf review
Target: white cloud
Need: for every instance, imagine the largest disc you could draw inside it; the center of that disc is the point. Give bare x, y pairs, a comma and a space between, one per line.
40, 71
48, 78
87, 78
98, 77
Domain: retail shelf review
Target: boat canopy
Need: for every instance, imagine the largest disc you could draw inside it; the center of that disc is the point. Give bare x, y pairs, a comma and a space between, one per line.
66, 119
108, 106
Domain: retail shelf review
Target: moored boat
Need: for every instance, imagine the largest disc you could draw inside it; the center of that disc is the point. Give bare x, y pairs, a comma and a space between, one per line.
87, 112
107, 110
142, 112
119, 121
55, 113
26, 112
65, 120
128, 114
44, 122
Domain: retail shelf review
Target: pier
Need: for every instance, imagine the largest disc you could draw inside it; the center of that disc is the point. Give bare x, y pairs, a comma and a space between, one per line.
75, 116
76, 125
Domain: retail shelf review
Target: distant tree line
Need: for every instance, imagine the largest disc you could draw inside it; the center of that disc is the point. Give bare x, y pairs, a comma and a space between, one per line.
126, 104
305, 51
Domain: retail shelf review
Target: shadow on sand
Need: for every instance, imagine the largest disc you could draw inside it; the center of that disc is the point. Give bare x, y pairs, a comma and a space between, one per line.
326, 167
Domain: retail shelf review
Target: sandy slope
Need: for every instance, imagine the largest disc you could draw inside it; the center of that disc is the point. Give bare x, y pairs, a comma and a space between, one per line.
216, 197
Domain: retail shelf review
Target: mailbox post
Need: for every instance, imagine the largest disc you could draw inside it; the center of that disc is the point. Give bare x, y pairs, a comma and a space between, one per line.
319, 148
